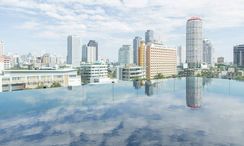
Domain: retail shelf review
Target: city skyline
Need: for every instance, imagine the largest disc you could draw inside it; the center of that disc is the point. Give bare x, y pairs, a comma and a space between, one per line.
41, 25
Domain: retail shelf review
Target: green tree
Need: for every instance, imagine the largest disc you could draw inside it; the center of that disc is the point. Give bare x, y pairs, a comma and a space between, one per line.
55, 84
159, 76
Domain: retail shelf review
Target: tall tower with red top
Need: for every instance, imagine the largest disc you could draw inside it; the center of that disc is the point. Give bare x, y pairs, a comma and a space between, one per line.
194, 42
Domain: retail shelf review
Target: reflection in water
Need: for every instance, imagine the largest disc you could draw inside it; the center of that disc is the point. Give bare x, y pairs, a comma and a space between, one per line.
149, 88
194, 91
206, 81
137, 84
60, 117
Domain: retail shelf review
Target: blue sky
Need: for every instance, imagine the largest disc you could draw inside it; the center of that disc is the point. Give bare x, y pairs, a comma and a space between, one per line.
41, 26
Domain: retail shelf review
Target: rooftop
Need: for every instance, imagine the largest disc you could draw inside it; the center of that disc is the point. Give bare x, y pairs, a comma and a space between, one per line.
194, 18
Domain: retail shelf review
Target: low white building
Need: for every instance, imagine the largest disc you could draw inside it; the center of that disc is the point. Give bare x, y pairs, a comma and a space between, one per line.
94, 73
130, 72
12, 80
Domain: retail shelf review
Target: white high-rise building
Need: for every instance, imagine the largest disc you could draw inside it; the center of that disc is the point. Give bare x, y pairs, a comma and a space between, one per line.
73, 50
194, 42
179, 56
125, 55
136, 43
90, 52
208, 52
1, 48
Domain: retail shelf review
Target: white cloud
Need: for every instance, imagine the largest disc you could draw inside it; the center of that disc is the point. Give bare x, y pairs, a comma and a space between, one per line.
93, 19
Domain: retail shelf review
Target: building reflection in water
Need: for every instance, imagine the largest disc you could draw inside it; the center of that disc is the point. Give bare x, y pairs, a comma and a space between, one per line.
206, 81
137, 84
148, 88
194, 91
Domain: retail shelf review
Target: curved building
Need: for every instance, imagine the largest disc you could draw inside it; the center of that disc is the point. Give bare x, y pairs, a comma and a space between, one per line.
194, 91
194, 42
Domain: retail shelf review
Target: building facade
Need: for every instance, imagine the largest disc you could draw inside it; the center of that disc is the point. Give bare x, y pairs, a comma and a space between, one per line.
149, 36
13, 80
1, 65
136, 43
94, 44
7, 62
208, 52
142, 55
92, 73
194, 42
179, 56
130, 72
125, 55
238, 55
84, 53
160, 60
73, 50
1, 48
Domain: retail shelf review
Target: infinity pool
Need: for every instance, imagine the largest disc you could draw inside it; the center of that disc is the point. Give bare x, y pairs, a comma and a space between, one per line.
177, 112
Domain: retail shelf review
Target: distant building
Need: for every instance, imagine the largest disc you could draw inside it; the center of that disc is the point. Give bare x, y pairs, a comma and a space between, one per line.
142, 55
179, 56
73, 50
238, 54
93, 43
1, 64
93, 73
7, 62
194, 91
160, 60
14, 80
220, 60
208, 52
130, 72
136, 43
194, 42
84, 53
149, 36
89, 54
46, 59
125, 55
1, 48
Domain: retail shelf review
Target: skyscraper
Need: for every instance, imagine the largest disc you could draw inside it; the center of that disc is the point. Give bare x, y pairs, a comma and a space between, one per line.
160, 60
84, 52
194, 42
73, 50
238, 54
125, 55
179, 55
141, 55
90, 52
136, 44
208, 52
94, 44
149, 36
1, 48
